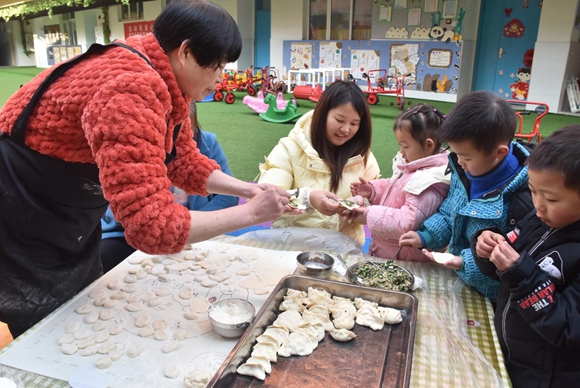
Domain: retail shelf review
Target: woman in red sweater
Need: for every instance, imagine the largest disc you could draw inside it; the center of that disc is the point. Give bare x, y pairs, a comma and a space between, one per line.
112, 127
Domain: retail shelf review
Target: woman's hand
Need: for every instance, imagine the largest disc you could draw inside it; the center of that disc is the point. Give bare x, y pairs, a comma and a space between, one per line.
260, 187
362, 188
486, 242
325, 202
268, 205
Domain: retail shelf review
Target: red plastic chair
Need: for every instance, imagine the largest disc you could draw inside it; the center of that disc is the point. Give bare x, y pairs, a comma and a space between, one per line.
541, 109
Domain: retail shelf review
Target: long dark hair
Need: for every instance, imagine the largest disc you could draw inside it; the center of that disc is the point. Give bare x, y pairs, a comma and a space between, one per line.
337, 94
211, 33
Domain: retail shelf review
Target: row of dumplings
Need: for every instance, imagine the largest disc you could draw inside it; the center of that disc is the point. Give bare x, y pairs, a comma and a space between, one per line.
303, 322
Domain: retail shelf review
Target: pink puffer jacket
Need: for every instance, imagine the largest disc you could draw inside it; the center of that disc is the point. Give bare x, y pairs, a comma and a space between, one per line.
401, 203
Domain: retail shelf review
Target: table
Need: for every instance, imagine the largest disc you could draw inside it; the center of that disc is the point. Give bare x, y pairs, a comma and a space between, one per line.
455, 344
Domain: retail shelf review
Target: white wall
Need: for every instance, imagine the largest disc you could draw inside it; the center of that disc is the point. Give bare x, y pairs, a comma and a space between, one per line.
21, 58
555, 55
289, 19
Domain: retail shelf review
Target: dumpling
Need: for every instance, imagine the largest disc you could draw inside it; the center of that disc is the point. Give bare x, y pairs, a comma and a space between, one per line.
390, 315
319, 318
254, 370
269, 339
359, 303
262, 361
289, 319
314, 328
373, 321
266, 350
279, 333
344, 322
299, 343
291, 304
342, 308
342, 335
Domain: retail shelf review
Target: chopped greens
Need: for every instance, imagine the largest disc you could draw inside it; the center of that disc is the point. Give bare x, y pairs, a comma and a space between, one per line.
384, 275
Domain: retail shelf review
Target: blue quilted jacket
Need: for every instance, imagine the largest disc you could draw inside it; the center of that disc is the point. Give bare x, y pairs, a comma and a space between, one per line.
459, 218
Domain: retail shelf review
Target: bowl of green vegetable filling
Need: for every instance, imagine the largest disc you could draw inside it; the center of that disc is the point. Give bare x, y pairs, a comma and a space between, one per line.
380, 274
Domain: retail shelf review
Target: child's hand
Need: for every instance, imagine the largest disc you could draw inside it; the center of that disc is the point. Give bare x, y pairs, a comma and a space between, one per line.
411, 238
486, 242
362, 188
504, 256
450, 261
354, 215
325, 202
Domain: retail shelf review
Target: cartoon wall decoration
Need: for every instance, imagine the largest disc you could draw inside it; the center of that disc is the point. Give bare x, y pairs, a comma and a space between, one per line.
437, 83
420, 33
441, 33
330, 55
514, 29
300, 56
453, 30
397, 33
520, 88
508, 12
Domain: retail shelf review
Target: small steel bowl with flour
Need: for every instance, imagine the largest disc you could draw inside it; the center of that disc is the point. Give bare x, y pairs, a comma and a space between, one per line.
230, 317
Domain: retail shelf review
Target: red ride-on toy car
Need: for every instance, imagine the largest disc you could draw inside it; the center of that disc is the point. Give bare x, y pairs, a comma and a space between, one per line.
226, 87
541, 109
246, 81
384, 84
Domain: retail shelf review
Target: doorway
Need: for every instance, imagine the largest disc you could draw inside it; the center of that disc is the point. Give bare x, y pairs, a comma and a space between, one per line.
508, 31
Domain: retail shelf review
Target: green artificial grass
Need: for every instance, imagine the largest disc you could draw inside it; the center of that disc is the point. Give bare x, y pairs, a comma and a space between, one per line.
12, 77
246, 138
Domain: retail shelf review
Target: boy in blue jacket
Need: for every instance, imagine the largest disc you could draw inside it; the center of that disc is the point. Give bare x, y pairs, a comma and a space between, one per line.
114, 247
488, 185
538, 264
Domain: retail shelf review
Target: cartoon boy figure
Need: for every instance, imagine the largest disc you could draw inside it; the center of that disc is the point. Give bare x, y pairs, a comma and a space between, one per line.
522, 85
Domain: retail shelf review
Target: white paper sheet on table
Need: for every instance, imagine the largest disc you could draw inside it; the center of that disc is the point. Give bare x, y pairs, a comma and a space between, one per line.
38, 351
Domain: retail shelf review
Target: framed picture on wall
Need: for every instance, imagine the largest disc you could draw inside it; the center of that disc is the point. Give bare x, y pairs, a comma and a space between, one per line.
431, 6
414, 17
400, 4
385, 13
449, 9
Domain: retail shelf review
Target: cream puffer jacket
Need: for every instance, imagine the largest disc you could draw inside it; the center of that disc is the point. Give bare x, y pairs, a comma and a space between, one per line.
294, 163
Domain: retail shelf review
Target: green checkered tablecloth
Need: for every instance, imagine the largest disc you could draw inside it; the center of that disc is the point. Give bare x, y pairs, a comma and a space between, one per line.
455, 342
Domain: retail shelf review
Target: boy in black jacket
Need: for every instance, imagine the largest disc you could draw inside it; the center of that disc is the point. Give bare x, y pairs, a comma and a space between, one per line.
538, 263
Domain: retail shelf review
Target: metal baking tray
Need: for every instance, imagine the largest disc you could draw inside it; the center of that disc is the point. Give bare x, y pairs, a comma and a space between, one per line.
373, 359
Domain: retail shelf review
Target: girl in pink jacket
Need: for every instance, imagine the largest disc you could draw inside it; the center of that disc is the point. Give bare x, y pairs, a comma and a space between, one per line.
418, 186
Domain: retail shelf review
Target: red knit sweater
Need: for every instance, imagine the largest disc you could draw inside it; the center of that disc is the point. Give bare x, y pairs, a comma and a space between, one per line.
113, 109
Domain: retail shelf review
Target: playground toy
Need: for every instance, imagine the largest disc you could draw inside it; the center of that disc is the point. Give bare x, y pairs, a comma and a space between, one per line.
385, 84
269, 83
258, 105
226, 87
275, 115
307, 92
246, 81
542, 109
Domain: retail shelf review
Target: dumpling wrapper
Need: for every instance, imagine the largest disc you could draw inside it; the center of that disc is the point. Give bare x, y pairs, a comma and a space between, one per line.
441, 257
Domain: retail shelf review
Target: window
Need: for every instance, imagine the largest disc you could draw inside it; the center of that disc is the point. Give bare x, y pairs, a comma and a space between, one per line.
340, 19
69, 29
132, 11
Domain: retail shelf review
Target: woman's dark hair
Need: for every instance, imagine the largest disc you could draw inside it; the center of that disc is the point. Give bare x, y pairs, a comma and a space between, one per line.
559, 153
195, 127
337, 94
483, 118
423, 122
211, 33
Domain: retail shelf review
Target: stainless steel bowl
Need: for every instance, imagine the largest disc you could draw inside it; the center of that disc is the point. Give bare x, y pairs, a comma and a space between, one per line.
315, 264
223, 313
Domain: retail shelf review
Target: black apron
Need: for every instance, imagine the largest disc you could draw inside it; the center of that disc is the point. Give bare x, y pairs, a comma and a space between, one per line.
50, 221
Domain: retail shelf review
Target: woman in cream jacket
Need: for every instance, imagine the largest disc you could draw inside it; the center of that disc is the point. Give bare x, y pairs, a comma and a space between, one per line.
326, 150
